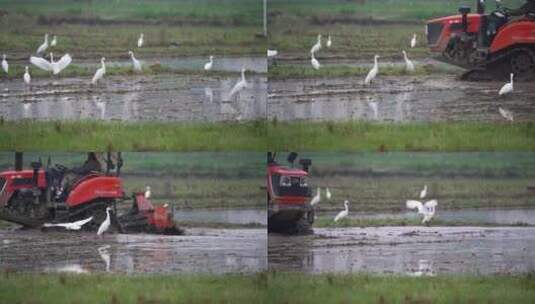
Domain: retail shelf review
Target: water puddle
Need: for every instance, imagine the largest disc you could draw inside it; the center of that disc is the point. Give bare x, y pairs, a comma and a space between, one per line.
414, 251
202, 250
162, 97
227, 216
397, 99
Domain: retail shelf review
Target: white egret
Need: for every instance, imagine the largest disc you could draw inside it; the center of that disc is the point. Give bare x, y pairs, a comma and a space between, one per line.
54, 41
240, 85
135, 63
41, 63
344, 213
100, 72
409, 66
140, 41
60, 65
5, 65
43, 46
105, 256
147, 192
506, 114
26, 77
316, 199
328, 194
373, 72
315, 63
272, 53
508, 87
71, 226
413, 40
208, 65
106, 223
329, 41
316, 47
427, 209
423, 193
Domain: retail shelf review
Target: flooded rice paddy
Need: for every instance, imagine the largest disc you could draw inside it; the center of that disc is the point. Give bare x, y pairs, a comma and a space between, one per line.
167, 97
224, 216
415, 251
397, 99
200, 250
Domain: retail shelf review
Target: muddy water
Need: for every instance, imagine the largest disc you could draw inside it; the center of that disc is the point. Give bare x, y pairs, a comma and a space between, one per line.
476, 216
202, 250
162, 97
407, 250
399, 99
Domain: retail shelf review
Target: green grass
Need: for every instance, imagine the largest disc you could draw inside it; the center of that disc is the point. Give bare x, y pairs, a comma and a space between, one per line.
327, 222
122, 136
369, 136
362, 288
273, 287
292, 71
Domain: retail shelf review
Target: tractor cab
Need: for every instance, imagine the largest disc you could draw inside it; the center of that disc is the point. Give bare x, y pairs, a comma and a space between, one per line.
494, 44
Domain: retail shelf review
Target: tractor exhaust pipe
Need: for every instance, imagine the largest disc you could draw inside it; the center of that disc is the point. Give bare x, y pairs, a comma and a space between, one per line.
19, 159
464, 11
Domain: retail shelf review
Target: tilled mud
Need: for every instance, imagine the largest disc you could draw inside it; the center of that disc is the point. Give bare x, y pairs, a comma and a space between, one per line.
406, 250
398, 99
200, 250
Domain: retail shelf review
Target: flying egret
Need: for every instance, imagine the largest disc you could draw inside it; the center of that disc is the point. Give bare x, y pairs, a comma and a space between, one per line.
409, 66
272, 53
106, 223
140, 41
147, 192
315, 63
43, 46
316, 199
373, 72
5, 66
240, 85
105, 256
100, 72
423, 193
413, 40
71, 226
54, 41
316, 47
60, 65
329, 41
343, 213
208, 65
27, 78
508, 87
427, 209
135, 63
41, 63
506, 114
328, 194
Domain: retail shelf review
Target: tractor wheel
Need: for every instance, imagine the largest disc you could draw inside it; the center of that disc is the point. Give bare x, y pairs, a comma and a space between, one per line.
302, 227
523, 65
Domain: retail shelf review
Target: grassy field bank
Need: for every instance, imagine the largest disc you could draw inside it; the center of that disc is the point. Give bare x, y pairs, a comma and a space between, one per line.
264, 288
260, 136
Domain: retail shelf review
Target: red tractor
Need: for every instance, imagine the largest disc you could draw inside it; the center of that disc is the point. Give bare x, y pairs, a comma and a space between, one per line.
34, 197
288, 196
490, 45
